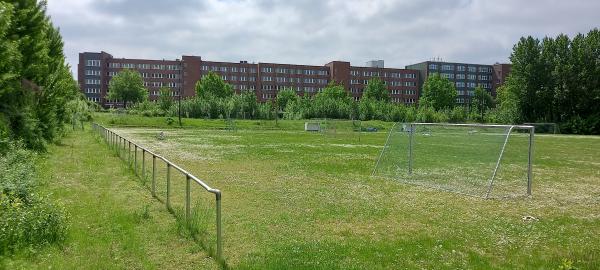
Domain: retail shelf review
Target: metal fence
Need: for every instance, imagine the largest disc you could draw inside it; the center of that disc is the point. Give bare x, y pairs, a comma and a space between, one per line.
118, 143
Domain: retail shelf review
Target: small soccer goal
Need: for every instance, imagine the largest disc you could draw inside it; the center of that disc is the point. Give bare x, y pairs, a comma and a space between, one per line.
340, 129
474, 159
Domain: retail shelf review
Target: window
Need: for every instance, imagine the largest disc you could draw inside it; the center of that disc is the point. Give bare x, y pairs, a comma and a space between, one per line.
173, 76
173, 67
309, 80
92, 72
472, 77
224, 77
395, 75
471, 85
128, 65
114, 65
447, 67
410, 84
266, 69
472, 69
233, 78
410, 75
157, 75
92, 63
484, 69
243, 78
460, 84
460, 76
234, 69
223, 69
460, 92
252, 70
267, 79
484, 77
309, 89
157, 84
280, 79
268, 87
471, 92
143, 66
92, 90
460, 68
410, 92
92, 81
447, 75
158, 66
113, 73
366, 73
322, 72
353, 81
243, 87
374, 73
243, 69
322, 81
252, 78
354, 72
460, 100
173, 84
432, 66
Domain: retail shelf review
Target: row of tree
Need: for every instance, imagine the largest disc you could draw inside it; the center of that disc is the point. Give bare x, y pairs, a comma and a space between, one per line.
554, 80
216, 99
38, 94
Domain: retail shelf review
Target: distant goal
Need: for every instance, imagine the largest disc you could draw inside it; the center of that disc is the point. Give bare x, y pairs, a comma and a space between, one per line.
489, 161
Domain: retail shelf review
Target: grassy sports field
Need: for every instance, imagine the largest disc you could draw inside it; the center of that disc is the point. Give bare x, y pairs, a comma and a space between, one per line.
293, 199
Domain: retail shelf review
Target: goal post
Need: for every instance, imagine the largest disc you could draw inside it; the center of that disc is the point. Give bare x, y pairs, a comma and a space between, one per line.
474, 159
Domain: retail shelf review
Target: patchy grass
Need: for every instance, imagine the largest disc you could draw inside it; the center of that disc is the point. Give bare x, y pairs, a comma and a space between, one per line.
298, 200
115, 223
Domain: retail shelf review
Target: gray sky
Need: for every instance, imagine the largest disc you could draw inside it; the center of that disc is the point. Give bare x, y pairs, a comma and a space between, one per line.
315, 32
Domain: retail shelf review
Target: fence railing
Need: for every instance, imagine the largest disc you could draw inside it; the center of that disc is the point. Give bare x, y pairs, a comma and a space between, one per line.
118, 142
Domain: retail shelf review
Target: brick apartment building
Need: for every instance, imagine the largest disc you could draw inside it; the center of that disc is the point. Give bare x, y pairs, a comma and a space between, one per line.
264, 79
465, 76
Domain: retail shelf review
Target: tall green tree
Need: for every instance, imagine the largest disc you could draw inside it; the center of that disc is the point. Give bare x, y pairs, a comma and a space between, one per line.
128, 87
376, 90
284, 97
165, 98
438, 93
481, 101
35, 81
212, 85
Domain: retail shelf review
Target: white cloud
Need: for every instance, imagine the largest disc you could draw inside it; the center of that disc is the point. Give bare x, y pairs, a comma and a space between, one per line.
314, 31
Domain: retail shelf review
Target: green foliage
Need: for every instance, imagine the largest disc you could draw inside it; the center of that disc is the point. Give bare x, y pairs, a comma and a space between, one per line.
554, 80
285, 97
127, 86
165, 98
438, 92
26, 219
35, 81
213, 86
377, 90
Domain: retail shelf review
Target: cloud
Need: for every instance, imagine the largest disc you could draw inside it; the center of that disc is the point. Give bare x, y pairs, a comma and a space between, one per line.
314, 31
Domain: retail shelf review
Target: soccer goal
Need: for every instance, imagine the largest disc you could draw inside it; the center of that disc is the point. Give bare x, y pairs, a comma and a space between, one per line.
341, 129
548, 128
474, 159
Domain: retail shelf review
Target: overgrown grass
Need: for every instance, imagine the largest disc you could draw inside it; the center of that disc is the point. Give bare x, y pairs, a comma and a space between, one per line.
299, 200
115, 223
28, 220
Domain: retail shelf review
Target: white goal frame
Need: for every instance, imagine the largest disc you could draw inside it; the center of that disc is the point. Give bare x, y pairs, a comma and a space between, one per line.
411, 131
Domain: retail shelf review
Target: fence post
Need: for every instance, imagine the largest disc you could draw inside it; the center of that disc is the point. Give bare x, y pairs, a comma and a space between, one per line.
144, 165
168, 186
410, 147
153, 175
530, 161
219, 227
187, 199
129, 154
135, 159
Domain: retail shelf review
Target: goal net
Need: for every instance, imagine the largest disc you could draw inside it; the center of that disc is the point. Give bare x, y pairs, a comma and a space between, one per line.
479, 160
341, 129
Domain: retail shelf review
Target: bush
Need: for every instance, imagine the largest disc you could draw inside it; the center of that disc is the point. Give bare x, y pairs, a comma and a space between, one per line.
26, 219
